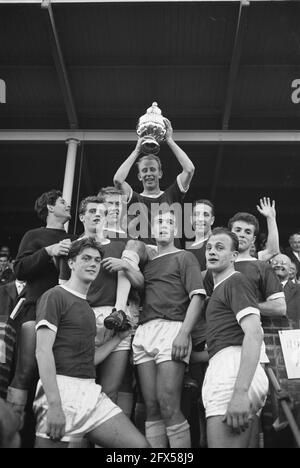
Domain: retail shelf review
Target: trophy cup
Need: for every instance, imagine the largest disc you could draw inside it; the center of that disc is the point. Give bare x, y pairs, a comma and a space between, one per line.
152, 128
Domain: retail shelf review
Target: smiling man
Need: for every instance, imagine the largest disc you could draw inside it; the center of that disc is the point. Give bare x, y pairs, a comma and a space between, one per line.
112, 290
150, 174
39, 264
282, 265
69, 405
267, 288
174, 296
235, 385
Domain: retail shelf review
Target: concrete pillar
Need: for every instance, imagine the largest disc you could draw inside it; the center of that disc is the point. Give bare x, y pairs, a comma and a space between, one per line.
70, 171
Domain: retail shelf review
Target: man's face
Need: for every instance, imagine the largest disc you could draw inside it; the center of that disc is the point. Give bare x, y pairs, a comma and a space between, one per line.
293, 271
164, 227
149, 174
219, 254
114, 207
86, 265
203, 219
245, 234
5, 250
92, 218
295, 242
3, 263
62, 209
281, 265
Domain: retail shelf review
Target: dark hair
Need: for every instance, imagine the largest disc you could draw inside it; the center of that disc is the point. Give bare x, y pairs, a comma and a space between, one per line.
4, 255
79, 245
296, 233
84, 203
104, 191
223, 230
150, 157
246, 218
47, 198
205, 202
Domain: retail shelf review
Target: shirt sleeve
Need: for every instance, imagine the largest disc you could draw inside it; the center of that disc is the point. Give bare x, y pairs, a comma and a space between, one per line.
49, 310
31, 258
240, 297
191, 275
174, 193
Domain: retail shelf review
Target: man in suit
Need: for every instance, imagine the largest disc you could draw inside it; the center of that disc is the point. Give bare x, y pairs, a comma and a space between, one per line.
281, 265
10, 293
293, 252
6, 273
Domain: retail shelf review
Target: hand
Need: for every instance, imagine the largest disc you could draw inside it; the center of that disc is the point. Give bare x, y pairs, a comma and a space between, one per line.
56, 422
57, 250
266, 208
238, 412
113, 265
169, 130
138, 148
180, 346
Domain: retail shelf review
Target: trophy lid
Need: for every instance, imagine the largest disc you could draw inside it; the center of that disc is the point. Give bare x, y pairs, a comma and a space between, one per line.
154, 109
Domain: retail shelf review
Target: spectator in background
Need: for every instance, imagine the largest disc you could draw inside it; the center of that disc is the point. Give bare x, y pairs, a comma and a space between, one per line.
293, 251
10, 293
293, 272
6, 251
281, 264
6, 273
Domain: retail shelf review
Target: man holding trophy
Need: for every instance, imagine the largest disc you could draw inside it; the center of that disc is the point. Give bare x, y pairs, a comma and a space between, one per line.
152, 129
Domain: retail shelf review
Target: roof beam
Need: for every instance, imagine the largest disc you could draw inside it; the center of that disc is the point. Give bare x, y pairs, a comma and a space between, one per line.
232, 77
119, 1
60, 65
123, 136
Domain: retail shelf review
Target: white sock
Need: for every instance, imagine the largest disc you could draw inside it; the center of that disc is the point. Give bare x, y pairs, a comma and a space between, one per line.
156, 434
179, 435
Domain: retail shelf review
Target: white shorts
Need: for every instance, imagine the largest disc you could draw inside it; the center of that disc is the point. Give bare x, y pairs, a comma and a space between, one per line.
220, 380
104, 335
83, 403
153, 341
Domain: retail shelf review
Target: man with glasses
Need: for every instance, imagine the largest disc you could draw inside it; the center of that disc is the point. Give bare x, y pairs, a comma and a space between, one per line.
281, 264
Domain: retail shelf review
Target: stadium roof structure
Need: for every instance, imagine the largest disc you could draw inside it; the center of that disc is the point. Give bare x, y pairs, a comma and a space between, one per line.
226, 73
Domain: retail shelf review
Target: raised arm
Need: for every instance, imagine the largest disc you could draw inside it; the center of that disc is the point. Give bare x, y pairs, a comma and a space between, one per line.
188, 167
123, 171
56, 420
267, 209
273, 307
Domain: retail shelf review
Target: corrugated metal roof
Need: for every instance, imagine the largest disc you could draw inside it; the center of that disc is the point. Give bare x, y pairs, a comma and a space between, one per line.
121, 57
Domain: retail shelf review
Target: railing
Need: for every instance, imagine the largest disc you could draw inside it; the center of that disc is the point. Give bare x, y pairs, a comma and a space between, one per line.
284, 399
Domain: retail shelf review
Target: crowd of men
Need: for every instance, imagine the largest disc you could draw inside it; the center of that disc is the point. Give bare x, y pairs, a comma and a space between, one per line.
108, 333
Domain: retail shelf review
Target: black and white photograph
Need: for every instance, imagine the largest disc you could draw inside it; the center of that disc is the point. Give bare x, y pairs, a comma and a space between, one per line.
150, 226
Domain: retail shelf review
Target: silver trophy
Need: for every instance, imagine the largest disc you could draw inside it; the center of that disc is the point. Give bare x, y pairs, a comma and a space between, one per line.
151, 127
